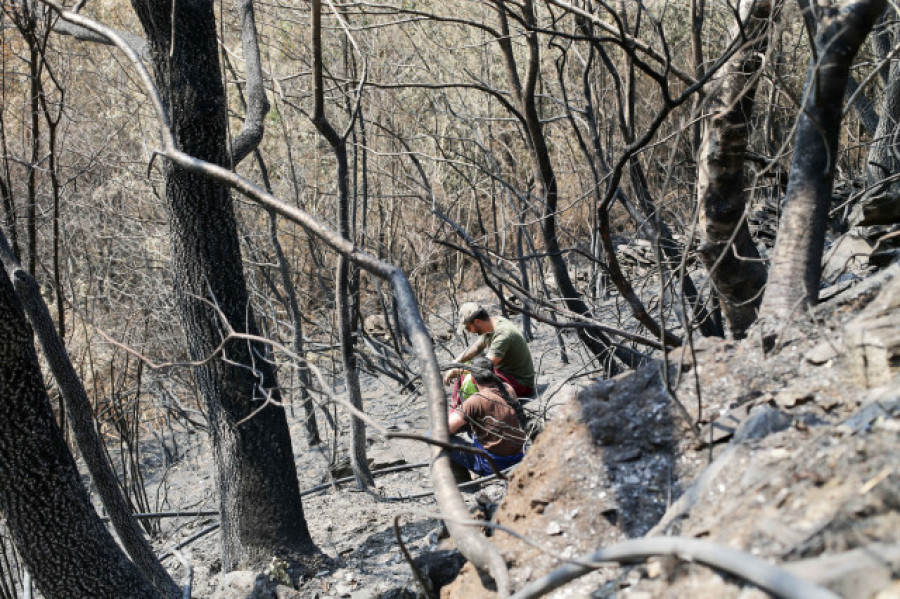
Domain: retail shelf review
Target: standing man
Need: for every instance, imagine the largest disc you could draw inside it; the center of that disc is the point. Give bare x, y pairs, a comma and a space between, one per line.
502, 343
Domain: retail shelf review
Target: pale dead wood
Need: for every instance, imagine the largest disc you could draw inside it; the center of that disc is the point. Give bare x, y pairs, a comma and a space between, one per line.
772, 579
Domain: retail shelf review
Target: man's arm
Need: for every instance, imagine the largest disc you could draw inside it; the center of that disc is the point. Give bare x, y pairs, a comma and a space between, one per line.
472, 351
455, 421
469, 353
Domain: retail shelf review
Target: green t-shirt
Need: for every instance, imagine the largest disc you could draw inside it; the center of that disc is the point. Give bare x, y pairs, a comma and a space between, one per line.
507, 343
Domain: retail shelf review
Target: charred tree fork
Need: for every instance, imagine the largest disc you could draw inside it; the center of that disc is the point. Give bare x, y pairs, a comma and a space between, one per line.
471, 543
796, 268
81, 420
64, 545
262, 511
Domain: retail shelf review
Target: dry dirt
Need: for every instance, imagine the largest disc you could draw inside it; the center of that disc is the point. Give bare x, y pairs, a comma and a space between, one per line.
803, 464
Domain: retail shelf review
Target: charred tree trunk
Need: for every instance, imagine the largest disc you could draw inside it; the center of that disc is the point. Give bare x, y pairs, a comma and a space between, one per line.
884, 155
262, 514
66, 548
862, 106
727, 250
81, 419
796, 264
358, 459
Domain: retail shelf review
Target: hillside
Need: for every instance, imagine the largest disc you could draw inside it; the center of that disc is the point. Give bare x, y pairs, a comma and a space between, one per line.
801, 471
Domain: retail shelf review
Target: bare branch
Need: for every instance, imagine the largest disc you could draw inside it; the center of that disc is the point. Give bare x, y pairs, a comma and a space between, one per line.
257, 104
630, 40
746, 566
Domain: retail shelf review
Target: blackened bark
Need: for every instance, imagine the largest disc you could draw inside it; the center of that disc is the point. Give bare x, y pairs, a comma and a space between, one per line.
262, 514
257, 104
65, 546
863, 107
796, 265
727, 250
81, 419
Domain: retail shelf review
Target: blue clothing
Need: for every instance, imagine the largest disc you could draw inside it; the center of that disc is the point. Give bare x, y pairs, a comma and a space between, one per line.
478, 463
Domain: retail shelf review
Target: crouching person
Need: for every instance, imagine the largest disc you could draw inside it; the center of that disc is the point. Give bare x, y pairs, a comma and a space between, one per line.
490, 415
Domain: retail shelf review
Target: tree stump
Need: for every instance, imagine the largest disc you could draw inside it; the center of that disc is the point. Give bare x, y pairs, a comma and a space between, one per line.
872, 340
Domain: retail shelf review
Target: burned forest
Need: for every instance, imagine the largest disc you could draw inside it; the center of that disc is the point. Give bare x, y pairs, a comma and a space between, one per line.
248, 245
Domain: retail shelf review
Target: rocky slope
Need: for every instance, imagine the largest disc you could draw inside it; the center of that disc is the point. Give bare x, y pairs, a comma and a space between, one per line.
795, 462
